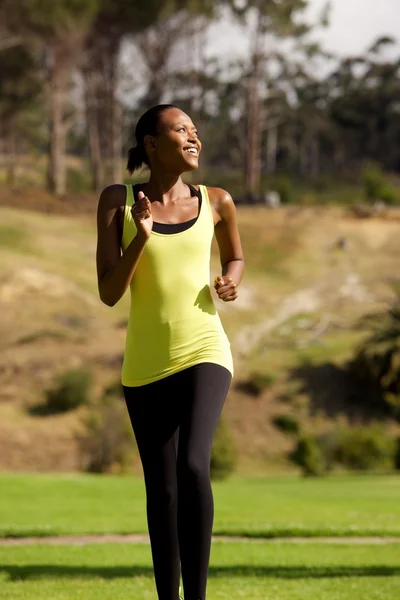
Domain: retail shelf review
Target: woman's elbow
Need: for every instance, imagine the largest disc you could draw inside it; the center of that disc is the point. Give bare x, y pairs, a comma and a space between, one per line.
106, 298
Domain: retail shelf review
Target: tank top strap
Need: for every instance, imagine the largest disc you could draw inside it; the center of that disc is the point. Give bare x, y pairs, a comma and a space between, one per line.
129, 196
207, 204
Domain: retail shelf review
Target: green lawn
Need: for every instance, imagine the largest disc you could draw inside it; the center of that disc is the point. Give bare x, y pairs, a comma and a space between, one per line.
248, 571
273, 506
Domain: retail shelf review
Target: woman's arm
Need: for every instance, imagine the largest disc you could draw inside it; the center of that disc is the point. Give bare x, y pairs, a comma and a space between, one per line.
114, 271
229, 244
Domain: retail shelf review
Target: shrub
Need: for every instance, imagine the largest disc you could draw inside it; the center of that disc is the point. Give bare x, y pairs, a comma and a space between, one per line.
309, 456
256, 383
283, 185
70, 390
397, 454
287, 424
107, 440
114, 389
376, 186
78, 180
365, 449
377, 361
224, 453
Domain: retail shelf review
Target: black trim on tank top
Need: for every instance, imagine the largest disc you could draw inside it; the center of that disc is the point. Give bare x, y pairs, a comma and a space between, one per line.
167, 228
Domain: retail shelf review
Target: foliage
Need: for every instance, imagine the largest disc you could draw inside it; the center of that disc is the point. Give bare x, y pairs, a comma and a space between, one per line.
283, 185
70, 390
107, 442
377, 361
309, 456
365, 449
256, 383
287, 424
224, 454
376, 186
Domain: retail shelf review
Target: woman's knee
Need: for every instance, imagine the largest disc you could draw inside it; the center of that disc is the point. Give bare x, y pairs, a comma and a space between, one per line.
193, 468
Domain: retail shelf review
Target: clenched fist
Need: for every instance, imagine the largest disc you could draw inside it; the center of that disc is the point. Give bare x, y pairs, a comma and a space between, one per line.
141, 213
226, 288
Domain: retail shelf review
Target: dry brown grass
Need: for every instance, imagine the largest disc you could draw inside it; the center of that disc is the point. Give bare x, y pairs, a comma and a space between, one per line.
300, 295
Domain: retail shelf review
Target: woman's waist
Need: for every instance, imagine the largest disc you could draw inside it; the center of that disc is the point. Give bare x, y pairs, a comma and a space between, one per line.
186, 325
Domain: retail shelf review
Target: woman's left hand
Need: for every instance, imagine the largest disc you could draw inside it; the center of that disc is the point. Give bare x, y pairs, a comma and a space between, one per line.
225, 288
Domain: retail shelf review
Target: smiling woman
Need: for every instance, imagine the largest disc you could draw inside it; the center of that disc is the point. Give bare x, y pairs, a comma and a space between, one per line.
155, 238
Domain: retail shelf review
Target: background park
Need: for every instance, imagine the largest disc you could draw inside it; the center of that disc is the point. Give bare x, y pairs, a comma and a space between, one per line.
294, 100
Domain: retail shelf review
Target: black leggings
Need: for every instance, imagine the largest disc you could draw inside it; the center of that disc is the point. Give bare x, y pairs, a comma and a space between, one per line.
174, 421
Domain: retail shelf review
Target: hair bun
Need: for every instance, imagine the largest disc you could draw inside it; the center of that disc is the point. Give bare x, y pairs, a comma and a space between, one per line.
135, 159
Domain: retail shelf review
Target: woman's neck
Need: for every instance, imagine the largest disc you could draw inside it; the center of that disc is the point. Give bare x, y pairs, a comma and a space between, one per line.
165, 188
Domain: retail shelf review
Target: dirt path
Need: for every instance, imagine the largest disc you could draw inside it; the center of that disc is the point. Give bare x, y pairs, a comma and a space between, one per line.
80, 540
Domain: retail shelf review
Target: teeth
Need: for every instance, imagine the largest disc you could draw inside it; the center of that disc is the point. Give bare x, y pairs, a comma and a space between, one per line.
192, 150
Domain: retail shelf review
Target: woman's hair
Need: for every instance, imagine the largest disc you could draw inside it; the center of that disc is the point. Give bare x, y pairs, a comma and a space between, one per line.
148, 124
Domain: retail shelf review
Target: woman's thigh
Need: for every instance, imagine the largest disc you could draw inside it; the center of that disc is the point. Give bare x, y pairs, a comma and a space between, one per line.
207, 385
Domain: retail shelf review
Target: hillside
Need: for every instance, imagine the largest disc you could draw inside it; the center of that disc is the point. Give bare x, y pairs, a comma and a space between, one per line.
310, 274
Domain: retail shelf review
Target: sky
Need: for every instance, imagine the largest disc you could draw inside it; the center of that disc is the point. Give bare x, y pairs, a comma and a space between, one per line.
353, 26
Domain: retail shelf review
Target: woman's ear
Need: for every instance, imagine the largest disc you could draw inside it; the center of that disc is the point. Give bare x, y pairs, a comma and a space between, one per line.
149, 142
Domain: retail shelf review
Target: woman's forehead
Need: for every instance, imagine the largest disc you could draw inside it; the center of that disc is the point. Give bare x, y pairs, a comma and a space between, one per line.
172, 116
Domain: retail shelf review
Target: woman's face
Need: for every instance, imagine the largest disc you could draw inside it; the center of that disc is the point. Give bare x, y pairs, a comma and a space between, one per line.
176, 148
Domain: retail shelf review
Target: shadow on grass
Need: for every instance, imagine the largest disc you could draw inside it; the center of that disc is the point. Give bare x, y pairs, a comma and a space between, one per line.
21, 573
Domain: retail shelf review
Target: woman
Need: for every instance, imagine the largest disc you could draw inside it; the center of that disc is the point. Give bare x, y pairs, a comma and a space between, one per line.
155, 238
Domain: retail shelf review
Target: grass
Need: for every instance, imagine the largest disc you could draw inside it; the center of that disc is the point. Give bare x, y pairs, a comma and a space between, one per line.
244, 571
274, 506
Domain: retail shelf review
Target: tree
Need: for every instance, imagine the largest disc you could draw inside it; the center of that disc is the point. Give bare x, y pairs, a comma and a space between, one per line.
19, 99
267, 20
55, 31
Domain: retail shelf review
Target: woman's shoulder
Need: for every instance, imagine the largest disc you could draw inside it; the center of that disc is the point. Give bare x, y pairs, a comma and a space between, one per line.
113, 195
219, 198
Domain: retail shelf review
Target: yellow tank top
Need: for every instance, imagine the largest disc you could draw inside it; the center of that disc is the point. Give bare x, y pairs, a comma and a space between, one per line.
173, 323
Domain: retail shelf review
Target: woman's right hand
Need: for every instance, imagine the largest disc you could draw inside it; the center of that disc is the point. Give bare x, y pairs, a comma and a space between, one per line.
141, 213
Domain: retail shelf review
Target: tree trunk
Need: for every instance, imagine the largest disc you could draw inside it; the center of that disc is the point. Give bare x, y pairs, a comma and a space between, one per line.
253, 163
91, 76
272, 146
116, 128
11, 159
57, 92
314, 157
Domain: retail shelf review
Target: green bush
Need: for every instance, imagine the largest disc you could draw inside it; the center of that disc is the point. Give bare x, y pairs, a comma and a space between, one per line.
224, 455
365, 449
376, 187
114, 389
70, 390
377, 360
107, 442
287, 424
281, 184
397, 454
308, 455
78, 180
256, 383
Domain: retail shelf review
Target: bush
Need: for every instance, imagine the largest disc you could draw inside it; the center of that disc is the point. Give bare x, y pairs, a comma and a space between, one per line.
365, 449
107, 440
70, 390
256, 383
287, 424
78, 180
377, 361
376, 186
361, 448
309, 456
397, 454
282, 185
224, 453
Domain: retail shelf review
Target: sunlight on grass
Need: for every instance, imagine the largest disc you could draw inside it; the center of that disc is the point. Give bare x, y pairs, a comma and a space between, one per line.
271, 506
